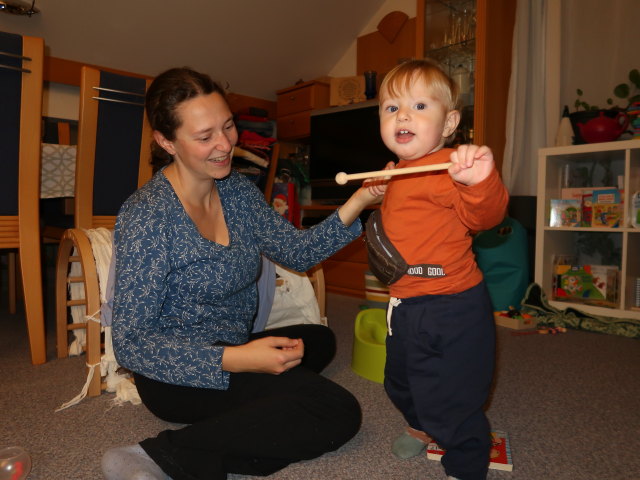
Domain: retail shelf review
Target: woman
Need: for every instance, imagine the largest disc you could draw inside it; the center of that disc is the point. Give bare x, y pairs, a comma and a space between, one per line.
188, 248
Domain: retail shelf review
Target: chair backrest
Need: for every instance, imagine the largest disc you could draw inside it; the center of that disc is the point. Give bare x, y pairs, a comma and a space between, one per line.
21, 68
114, 145
21, 61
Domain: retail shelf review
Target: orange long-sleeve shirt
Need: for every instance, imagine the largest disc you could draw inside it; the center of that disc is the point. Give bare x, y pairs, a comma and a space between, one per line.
429, 217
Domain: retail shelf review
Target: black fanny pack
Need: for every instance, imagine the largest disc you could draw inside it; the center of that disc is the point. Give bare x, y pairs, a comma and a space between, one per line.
385, 262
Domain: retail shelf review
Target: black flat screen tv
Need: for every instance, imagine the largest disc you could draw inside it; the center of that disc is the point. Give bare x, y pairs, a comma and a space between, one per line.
344, 139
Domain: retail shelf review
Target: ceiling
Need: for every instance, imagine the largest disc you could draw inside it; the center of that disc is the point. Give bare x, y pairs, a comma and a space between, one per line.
257, 46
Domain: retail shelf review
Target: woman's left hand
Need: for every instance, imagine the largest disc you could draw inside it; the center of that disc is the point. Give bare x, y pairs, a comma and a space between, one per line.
273, 355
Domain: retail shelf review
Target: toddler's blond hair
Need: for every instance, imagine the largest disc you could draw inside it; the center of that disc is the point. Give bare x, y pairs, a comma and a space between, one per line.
400, 78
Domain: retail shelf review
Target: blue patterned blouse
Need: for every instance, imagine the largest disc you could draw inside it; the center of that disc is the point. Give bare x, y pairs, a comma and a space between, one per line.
177, 294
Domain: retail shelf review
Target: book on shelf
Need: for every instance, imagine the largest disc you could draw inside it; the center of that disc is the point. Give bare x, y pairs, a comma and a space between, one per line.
592, 284
500, 455
606, 215
606, 208
565, 213
576, 193
606, 196
599, 206
586, 206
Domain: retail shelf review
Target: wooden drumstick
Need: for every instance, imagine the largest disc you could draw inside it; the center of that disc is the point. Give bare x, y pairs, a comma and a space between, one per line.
342, 178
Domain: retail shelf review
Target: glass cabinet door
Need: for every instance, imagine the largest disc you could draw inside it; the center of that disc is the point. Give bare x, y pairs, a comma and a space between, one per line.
450, 39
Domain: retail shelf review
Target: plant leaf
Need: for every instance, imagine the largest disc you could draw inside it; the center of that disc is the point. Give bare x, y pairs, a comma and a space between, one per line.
634, 76
621, 91
579, 92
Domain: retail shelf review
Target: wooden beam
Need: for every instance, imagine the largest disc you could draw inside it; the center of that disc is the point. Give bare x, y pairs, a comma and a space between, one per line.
67, 72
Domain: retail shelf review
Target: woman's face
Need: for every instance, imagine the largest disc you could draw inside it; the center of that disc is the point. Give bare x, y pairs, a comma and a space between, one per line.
205, 139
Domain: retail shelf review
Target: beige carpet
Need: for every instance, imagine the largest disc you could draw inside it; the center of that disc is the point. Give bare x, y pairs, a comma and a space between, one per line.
570, 403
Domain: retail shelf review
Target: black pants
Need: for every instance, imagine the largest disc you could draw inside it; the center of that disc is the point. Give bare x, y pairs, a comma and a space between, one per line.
439, 369
260, 424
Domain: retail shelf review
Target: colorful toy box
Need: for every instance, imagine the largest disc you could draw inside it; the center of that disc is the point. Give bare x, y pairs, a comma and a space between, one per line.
515, 320
593, 284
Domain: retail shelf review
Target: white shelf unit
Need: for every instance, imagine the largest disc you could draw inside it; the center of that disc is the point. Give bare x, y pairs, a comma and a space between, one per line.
623, 158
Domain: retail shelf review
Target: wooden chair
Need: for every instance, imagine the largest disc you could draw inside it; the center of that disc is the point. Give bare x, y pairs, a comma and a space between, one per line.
114, 140
49, 233
21, 64
316, 276
56, 214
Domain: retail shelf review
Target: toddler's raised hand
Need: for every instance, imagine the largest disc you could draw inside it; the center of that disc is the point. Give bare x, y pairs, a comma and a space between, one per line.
471, 164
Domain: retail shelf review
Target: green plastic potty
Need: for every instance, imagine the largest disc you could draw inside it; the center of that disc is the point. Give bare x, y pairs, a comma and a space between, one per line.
369, 349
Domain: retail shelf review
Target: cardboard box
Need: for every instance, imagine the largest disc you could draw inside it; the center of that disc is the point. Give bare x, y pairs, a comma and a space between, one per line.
515, 323
346, 90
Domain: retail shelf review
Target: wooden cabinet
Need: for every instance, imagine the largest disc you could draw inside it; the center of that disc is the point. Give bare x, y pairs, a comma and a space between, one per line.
294, 108
344, 271
477, 34
599, 165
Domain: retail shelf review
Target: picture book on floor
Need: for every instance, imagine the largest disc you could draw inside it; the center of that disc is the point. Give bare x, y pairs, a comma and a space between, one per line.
500, 451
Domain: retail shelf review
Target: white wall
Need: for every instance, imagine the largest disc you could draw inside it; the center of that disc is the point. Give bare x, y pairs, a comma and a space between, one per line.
600, 44
346, 67
61, 101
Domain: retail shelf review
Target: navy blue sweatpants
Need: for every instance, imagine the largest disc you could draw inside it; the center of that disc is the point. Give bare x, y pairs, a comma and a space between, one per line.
440, 362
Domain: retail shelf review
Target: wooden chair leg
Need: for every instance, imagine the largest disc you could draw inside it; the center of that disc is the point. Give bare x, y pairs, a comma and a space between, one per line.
94, 355
12, 276
75, 247
31, 269
316, 276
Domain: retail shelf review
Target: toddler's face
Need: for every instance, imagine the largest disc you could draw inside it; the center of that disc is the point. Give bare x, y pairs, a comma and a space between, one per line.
414, 122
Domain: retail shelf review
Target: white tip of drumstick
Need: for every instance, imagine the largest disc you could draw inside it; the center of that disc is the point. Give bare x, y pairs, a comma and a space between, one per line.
341, 178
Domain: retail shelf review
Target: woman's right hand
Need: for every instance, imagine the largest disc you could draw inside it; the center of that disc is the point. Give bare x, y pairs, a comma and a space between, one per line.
273, 355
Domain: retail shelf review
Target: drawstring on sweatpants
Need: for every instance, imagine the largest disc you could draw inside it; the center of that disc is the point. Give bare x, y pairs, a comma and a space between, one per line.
393, 302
